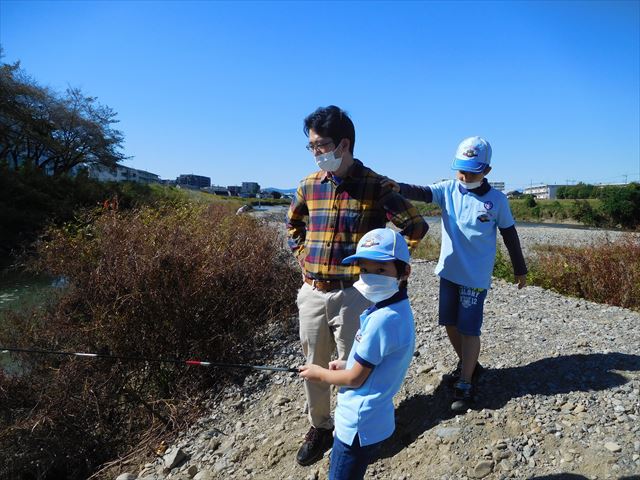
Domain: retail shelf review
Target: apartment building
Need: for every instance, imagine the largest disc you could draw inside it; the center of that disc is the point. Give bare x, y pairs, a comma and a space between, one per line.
542, 191
119, 173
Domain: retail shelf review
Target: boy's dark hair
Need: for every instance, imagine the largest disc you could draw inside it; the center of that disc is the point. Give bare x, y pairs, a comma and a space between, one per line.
331, 122
401, 267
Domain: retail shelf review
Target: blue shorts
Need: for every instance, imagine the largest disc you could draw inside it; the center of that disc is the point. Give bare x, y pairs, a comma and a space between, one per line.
462, 307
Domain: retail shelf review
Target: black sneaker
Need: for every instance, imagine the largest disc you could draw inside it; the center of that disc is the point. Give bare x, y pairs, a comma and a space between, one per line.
454, 376
463, 396
316, 442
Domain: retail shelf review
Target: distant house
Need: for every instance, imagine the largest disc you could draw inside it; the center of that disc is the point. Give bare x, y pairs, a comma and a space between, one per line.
543, 191
270, 194
250, 188
193, 181
234, 190
217, 190
119, 173
514, 194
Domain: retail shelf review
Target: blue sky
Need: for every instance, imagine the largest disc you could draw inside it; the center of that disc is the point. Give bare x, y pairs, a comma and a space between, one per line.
221, 88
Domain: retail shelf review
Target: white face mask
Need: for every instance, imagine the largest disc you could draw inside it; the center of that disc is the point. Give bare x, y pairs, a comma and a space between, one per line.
470, 185
376, 288
328, 161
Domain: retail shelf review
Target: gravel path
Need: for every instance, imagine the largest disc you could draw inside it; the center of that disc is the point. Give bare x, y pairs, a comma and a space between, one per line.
561, 398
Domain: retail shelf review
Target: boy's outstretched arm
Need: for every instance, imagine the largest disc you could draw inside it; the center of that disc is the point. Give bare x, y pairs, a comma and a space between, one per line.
386, 182
512, 242
353, 377
404, 215
412, 192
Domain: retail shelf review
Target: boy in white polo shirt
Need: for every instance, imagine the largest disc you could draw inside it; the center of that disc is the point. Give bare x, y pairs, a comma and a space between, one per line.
378, 360
472, 212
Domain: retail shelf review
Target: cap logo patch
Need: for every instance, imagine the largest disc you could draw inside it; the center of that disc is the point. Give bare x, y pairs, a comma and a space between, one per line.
370, 242
470, 153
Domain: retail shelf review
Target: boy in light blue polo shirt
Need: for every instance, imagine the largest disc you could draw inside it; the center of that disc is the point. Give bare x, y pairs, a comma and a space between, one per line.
472, 212
378, 360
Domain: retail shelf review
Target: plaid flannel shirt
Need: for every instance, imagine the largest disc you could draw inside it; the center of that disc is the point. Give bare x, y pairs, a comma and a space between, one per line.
327, 219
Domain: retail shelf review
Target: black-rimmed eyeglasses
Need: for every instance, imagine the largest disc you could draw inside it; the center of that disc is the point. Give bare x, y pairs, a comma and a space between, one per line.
312, 147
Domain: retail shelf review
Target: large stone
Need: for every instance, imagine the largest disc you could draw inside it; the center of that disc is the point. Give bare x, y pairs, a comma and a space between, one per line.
447, 432
126, 476
192, 470
173, 458
612, 447
204, 475
482, 469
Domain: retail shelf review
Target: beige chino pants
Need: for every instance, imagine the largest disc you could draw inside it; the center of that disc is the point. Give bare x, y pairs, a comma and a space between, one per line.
327, 320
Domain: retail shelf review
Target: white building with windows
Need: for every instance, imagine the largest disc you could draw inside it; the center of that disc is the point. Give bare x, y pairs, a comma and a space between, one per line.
120, 173
542, 191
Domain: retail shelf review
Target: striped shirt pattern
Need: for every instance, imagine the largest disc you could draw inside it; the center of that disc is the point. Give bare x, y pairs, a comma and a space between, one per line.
327, 219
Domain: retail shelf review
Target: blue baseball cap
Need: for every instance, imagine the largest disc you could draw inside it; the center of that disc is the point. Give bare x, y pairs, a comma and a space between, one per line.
473, 155
381, 245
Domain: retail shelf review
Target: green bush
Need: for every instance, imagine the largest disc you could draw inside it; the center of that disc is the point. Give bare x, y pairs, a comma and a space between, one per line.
30, 200
177, 282
583, 212
529, 201
502, 267
428, 209
622, 205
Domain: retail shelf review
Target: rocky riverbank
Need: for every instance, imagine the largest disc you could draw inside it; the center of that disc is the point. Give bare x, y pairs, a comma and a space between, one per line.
560, 399
529, 233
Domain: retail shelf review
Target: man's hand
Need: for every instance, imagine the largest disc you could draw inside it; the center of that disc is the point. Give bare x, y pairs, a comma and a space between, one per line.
386, 182
521, 280
337, 365
311, 372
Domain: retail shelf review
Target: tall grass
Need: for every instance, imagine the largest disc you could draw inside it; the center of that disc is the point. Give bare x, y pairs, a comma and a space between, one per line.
427, 249
603, 272
606, 272
177, 282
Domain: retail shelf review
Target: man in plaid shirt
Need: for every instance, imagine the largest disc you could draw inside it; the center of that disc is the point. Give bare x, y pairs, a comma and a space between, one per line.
332, 210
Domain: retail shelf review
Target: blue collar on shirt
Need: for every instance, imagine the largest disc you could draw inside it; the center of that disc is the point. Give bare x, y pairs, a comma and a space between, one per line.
481, 190
397, 297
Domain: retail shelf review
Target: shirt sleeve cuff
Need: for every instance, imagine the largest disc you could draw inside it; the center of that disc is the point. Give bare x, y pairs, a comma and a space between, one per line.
362, 361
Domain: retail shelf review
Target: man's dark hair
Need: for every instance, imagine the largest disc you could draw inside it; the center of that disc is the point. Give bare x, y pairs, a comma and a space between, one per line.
331, 122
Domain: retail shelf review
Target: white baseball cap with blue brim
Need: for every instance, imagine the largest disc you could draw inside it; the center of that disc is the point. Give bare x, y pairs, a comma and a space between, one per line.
381, 245
473, 155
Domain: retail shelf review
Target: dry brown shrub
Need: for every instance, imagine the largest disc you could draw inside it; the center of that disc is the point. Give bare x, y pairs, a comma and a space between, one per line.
605, 272
170, 283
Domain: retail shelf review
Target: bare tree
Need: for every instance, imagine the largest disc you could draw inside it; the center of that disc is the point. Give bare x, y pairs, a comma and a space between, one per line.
45, 130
